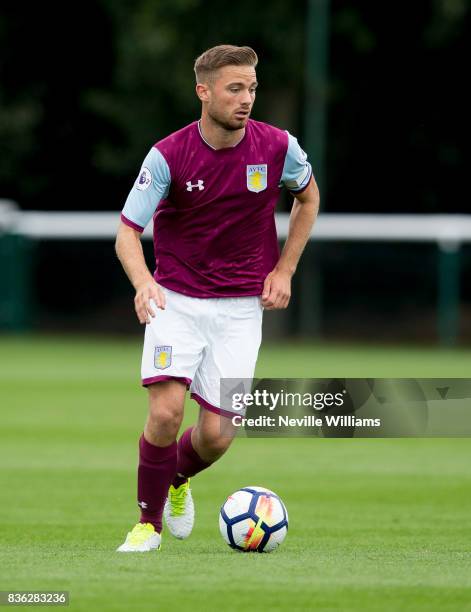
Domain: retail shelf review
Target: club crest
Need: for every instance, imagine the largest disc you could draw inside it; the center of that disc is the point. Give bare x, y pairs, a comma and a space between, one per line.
162, 357
257, 177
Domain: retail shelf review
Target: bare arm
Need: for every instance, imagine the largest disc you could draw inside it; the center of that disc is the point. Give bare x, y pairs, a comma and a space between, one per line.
277, 288
129, 251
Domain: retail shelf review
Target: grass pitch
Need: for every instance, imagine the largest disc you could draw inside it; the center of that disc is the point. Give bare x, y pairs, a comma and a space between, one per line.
374, 524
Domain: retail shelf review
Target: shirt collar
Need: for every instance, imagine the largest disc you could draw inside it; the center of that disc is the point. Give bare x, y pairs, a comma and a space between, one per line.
224, 148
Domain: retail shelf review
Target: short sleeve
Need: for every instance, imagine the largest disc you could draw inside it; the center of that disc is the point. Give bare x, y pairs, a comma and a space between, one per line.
297, 171
151, 186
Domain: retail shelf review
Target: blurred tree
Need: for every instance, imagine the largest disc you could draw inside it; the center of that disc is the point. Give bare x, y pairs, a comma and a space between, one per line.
85, 92
81, 106
154, 85
397, 109
48, 62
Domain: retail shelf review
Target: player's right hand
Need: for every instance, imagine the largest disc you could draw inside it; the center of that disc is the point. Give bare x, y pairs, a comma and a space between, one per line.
146, 292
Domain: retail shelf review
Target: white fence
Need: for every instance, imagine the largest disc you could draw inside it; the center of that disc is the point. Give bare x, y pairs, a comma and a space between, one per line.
448, 232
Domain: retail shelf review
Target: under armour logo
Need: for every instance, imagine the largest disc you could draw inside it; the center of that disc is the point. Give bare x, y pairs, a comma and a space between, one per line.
199, 184
143, 505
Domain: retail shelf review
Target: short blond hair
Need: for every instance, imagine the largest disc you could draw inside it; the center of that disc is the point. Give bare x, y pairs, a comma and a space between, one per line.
223, 55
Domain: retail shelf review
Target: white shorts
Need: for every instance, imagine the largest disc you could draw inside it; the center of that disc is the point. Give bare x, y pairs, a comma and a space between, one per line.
199, 341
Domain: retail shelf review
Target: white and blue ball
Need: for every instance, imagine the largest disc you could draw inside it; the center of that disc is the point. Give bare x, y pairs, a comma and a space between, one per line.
253, 519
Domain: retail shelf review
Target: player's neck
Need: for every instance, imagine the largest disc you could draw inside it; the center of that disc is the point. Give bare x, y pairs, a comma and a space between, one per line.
216, 136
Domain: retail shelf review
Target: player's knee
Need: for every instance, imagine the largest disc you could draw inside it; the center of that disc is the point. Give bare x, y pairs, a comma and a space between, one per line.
165, 418
165, 414
214, 444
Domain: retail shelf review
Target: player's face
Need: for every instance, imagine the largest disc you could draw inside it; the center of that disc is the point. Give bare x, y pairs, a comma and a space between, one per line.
231, 96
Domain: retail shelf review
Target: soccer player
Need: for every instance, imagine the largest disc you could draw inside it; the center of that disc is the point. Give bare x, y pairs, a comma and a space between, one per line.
211, 189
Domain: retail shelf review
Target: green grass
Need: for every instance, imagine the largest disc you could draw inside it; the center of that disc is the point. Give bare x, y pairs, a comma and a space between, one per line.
374, 524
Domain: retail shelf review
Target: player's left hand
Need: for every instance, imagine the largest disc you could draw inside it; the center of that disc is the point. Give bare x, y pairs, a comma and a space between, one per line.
276, 290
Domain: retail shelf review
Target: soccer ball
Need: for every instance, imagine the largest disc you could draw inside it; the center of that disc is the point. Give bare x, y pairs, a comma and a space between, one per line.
253, 519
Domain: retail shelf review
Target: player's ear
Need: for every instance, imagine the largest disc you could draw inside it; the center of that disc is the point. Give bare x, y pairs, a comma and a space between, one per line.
202, 91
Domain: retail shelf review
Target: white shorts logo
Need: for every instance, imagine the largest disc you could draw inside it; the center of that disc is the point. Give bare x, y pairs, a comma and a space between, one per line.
162, 357
144, 179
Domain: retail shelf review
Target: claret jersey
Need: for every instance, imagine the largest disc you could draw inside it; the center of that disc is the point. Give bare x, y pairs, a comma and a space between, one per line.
213, 209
